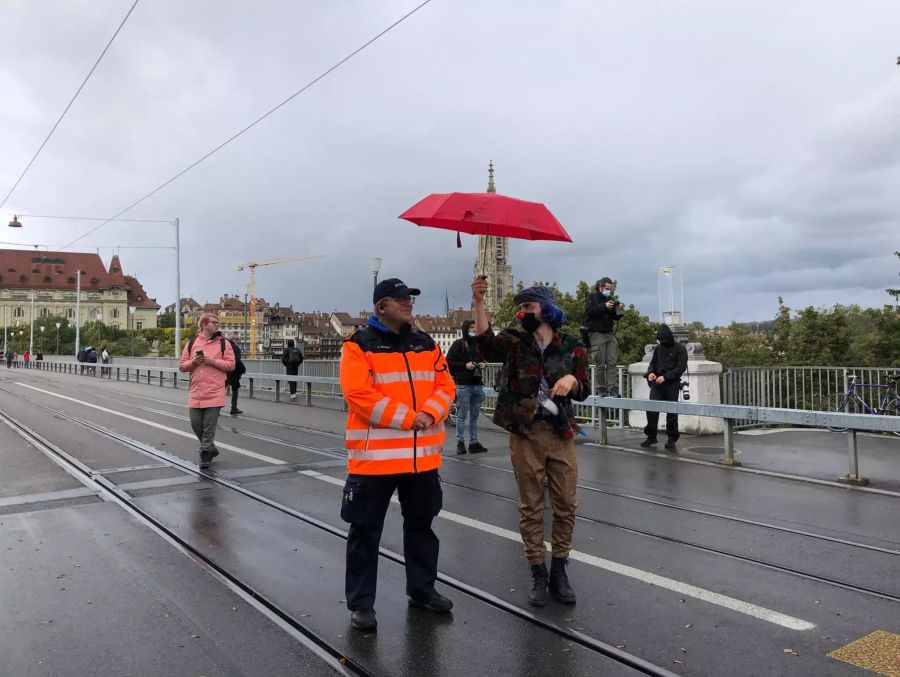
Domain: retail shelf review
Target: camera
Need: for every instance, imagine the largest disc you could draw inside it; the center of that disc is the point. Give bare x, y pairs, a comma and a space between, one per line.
685, 393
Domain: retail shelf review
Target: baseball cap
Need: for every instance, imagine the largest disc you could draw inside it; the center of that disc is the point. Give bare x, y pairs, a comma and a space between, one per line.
393, 287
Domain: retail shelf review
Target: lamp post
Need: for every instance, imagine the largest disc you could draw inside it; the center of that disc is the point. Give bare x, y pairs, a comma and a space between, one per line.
31, 329
77, 312
375, 264
42, 339
58, 325
21, 342
99, 317
131, 310
5, 322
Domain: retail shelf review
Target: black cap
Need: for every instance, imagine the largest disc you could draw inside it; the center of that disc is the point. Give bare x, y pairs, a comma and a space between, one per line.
393, 287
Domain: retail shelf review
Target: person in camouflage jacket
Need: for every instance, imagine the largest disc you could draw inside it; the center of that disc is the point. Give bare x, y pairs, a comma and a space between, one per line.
545, 371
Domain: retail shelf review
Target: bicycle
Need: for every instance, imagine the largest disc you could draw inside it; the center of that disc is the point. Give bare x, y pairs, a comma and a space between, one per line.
851, 402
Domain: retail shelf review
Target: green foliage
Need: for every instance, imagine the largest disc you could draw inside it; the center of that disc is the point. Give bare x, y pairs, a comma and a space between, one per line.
166, 320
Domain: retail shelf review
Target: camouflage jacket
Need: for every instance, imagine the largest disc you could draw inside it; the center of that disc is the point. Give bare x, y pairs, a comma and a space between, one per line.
524, 364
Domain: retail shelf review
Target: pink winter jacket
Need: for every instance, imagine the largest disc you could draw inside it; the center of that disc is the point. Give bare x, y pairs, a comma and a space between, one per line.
207, 380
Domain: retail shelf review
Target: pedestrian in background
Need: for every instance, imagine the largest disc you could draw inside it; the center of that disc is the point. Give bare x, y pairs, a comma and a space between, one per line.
207, 358
466, 367
398, 392
104, 359
292, 358
233, 377
664, 372
601, 313
9, 358
26, 358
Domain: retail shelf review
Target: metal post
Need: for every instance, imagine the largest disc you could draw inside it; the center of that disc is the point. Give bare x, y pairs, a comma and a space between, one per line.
177, 224
853, 477
5, 322
594, 420
604, 430
728, 459
251, 389
277, 390
77, 312
309, 393
31, 331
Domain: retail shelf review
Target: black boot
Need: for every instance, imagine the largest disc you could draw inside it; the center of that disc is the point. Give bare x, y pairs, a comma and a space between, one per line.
537, 596
559, 582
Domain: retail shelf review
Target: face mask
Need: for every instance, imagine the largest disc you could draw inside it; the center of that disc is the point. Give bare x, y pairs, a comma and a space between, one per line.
472, 334
606, 292
529, 321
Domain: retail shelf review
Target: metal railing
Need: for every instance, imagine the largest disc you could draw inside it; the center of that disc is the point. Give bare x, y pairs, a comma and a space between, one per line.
808, 388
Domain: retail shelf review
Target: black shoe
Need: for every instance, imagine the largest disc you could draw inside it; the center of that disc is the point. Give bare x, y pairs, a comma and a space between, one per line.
460, 447
537, 596
235, 412
614, 392
671, 444
476, 448
601, 392
363, 619
214, 453
649, 442
559, 581
206, 458
433, 601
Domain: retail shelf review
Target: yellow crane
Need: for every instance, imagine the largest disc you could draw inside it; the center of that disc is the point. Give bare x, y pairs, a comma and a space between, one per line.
251, 289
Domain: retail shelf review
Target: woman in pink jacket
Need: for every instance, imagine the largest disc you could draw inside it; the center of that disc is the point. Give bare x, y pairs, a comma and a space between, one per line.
206, 358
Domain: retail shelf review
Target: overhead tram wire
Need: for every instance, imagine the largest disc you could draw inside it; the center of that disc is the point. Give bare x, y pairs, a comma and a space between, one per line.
75, 96
252, 124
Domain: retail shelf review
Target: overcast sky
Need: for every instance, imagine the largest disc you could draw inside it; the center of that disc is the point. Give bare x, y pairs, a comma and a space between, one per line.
753, 143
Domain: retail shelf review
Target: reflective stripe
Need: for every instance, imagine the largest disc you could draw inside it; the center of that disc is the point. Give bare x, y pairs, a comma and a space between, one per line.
442, 409
399, 415
378, 410
393, 454
445, 396
399, 376
390, 433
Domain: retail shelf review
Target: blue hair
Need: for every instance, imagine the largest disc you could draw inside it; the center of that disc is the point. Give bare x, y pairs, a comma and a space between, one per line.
553, 315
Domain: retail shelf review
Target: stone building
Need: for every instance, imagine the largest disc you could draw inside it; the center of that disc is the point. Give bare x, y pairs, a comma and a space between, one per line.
493, 261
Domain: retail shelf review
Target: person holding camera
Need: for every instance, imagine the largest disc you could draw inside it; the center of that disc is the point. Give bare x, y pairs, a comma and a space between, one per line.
664, 372
601, 312
466, 367
546, 370
206, 358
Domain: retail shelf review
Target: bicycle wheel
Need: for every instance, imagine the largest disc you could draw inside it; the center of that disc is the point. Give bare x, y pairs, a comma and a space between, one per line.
454, 410
835, 403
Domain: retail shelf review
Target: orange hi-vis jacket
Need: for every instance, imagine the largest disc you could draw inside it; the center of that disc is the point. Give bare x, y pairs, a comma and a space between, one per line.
387, 378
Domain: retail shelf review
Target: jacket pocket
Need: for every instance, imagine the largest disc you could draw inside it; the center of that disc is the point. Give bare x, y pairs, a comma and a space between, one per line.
353, 503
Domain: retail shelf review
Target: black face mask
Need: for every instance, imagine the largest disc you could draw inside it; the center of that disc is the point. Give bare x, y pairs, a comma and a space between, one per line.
529, 322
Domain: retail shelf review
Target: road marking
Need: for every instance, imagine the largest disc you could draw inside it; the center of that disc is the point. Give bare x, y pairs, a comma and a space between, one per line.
174, 431
624, 570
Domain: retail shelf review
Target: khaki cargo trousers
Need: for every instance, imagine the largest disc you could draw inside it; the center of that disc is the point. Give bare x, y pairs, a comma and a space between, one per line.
545, 454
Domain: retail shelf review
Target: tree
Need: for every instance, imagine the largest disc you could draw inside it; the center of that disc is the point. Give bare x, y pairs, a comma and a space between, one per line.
166, 320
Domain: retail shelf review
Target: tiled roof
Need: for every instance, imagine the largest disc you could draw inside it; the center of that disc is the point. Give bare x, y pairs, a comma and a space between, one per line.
23, 269
116, 276
137, 297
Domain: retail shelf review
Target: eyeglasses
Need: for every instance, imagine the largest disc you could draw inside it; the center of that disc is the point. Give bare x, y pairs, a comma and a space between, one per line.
402, 299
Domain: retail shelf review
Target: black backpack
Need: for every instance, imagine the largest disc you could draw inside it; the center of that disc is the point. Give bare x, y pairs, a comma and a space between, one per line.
81, 356
294, 357
221, 344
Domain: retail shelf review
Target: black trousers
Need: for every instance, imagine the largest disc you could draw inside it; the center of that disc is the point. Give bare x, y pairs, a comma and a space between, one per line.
292, 385
667, 393
364, 505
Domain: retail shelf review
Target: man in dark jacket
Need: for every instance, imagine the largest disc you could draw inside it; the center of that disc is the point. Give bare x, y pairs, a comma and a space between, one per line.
292, 358
233, 378
546, 370
466, 365
601, 312
668, 363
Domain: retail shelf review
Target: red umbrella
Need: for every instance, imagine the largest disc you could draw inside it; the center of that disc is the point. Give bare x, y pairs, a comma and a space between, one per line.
487, 214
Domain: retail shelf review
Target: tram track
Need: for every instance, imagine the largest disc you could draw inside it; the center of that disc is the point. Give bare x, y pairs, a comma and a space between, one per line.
332, 654
755, 561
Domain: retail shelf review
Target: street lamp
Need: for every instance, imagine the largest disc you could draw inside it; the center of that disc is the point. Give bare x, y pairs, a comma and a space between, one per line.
42, 339
98, 315
58, 325
375, 264
21, 343
131, 310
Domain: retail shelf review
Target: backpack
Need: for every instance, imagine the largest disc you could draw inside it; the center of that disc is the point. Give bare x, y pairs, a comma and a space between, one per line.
221, 344
81, 356
294, 357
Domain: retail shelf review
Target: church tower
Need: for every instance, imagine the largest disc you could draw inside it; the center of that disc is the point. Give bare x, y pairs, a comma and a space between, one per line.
493, 257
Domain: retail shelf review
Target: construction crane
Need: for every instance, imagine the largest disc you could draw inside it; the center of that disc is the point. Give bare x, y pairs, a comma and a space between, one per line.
251, 289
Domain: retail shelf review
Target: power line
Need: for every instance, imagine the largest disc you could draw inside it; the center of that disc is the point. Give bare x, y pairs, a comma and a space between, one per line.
254, 123
98, 246
90, 218
88, 77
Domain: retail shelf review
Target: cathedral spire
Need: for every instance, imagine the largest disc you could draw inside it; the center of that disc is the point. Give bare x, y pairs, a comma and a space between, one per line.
490, 188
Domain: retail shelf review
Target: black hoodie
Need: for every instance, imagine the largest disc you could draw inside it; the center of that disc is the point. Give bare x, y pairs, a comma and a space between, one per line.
462, 351
669, 357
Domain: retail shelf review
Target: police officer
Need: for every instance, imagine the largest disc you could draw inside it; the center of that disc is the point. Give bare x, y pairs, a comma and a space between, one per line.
398, 390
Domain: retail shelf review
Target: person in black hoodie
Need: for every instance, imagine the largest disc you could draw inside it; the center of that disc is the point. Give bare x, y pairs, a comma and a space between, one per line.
668, 363
466, 364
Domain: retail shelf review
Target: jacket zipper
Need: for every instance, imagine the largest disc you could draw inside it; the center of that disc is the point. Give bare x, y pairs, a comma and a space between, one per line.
415, 408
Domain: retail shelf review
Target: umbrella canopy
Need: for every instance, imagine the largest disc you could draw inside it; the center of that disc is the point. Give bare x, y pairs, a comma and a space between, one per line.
487, 214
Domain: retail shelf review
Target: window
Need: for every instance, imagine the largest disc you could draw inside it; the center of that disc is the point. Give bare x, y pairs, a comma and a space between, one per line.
19, 312
140, 324
45, 312
114, 314
70, 313
47, 279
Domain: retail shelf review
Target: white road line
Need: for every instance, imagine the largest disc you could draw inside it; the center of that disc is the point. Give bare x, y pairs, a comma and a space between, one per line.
174, 431
631, 572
